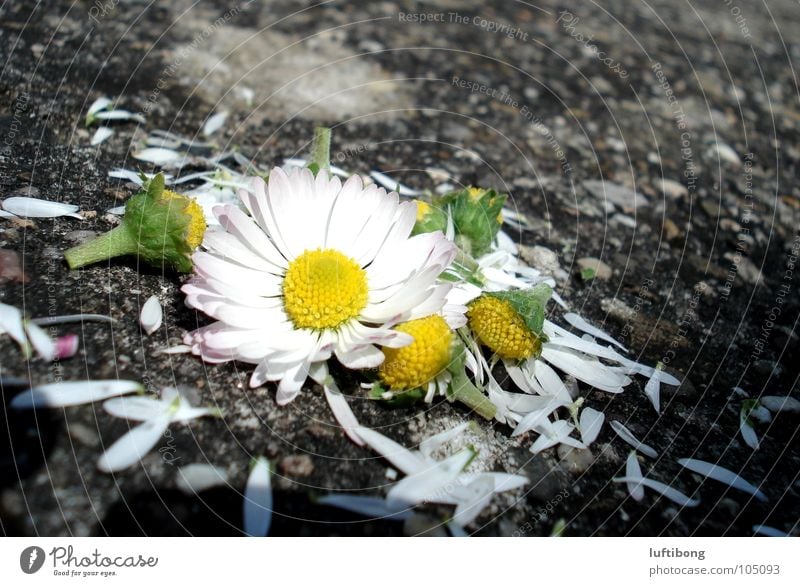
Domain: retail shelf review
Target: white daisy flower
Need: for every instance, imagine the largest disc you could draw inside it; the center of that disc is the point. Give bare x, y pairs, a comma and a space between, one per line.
317, 268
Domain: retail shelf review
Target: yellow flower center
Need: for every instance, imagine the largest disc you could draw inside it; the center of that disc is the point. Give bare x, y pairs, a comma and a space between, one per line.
413, 366
323, 289
422, 209
500, 328
196, 228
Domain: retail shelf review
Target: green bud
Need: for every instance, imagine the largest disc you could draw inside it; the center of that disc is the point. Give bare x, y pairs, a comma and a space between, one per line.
430, 218
476, 217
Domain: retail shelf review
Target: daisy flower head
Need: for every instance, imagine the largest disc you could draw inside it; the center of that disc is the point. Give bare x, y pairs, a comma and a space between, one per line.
432, 365
315, 268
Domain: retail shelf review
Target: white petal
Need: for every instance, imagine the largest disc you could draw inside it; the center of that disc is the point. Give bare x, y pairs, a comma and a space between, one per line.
777, 404
723, 475
117, 211
634, 473
591, 423
11, 322
7, 215
120, 115
195, 478
136, 408
214, 123
31, 207
433, 483
433, 443
342, 412
652, 390
663, 489
258, 499
44, 345
151, 315
177, 349
748, 433
158, 156
101, 135
631, 439
473, 500
72, 318
133, 446
392, 185
579, 323
73, 393
369, 506
768, 531
100, 103
400, 457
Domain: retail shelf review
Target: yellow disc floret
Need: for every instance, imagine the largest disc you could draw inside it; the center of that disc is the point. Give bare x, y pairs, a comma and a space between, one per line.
499, 327
197, 221
323, 289
413, 366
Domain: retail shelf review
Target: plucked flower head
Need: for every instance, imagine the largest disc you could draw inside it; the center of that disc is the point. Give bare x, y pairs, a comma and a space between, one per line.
314, 269
160, 227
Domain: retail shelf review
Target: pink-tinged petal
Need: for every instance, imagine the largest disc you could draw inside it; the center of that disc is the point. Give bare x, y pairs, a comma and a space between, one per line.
66, 346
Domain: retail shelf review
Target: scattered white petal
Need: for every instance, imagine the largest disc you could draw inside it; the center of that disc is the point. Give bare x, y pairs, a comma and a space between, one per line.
778, 404
431, 484
723, 475
73, 393
117, 211
177, 349
99, 104
101, 135
553, 434
663, 489
131, 176
72, 318
196, 478
748, 433
214, 123
158, 156
473, 499
32, 207
341, 411
41, 341
433, 443
368, 506
653, 389
152, 315
402, 458
634, 472
134, 445
456, 530
392, 185
120, 115
591, 423
576, 321
12, 323
7, 215
137, 408
258, 499
631, 439
768, 531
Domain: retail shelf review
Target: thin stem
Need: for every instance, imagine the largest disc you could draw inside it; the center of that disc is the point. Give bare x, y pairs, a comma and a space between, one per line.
116, 242
321, 148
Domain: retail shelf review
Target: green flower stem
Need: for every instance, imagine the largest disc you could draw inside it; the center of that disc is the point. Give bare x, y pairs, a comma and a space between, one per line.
321, 148
116, 242
461, 389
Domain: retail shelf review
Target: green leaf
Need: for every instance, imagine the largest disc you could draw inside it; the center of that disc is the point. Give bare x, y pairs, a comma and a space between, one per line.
588, 273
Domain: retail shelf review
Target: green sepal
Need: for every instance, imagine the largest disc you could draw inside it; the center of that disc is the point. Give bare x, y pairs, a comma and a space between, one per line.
462, 389
475, 218
529, 304
399, 399
159, 227
434, 219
